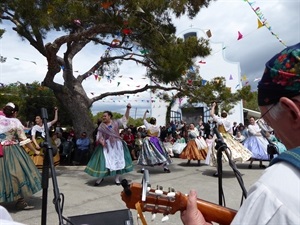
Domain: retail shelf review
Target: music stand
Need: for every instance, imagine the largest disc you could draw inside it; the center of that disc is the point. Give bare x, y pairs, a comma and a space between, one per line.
48, 163
222, 147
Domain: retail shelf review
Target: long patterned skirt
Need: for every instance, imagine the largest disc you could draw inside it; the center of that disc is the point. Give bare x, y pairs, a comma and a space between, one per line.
19, 177
38, 160
238, 152
96, 167
258, 146
195, 150
153, 153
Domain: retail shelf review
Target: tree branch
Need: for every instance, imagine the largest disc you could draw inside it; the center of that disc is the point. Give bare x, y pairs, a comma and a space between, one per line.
82, 35
22, 30
108, 59
146, 87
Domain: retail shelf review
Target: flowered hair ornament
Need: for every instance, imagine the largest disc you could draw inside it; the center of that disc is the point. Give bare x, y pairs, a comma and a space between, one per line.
281, 77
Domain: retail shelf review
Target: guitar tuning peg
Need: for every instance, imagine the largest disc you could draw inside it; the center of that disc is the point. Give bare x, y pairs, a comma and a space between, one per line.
159, 192
153, 216
158, 187
171, 189
165, 218
171, 194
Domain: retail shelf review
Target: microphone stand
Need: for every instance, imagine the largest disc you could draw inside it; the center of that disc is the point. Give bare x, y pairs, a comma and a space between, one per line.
48, 162
222, 147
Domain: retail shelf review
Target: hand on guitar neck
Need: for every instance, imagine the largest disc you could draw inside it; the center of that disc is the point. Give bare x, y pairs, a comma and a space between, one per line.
159, 201
192, 215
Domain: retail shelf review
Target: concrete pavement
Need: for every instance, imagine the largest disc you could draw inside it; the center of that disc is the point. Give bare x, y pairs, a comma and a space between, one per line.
81, 197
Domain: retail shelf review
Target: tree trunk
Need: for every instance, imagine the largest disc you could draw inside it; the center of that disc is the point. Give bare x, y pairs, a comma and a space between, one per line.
168, 113
78, 106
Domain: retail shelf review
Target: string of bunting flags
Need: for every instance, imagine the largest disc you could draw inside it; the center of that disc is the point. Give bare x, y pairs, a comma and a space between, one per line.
97, 70
262, 21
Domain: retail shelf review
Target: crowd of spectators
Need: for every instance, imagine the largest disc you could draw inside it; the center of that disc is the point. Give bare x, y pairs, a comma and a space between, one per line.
77, 150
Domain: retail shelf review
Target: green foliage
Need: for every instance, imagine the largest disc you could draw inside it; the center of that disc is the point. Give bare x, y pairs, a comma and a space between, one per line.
150, 31
199, 91
143, 29
31, 98
252, 103
135, 122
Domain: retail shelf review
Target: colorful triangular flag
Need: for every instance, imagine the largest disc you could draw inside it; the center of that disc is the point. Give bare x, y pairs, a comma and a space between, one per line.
259, 24
240, 36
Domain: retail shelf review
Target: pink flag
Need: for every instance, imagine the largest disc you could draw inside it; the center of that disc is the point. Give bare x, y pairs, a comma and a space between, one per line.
240, 36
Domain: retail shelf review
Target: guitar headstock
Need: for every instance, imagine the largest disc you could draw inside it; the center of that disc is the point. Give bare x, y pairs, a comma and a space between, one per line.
152, 200
144, 198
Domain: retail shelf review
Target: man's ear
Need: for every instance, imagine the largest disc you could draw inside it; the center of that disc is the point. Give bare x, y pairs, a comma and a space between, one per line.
292, 109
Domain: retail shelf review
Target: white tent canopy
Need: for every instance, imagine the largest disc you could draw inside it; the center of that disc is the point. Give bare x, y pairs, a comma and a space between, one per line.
253, 113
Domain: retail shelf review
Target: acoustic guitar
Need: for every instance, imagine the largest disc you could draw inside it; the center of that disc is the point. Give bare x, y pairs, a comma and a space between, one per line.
142, 197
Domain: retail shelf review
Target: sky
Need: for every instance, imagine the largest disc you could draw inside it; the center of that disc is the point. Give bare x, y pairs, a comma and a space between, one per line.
226, 19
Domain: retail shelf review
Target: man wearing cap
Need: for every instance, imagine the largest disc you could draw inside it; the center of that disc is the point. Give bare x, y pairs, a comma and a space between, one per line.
274, 198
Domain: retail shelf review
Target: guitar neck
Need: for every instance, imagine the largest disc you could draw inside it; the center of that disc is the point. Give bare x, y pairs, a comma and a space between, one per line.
157, 201
213, 212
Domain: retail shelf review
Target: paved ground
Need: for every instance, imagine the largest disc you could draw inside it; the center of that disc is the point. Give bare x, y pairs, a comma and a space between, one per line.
81, 197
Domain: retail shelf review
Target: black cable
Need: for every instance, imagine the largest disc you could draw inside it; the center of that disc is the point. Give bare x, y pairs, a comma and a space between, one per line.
220, 147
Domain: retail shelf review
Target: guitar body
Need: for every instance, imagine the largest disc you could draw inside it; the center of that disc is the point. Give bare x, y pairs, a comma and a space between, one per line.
158, 201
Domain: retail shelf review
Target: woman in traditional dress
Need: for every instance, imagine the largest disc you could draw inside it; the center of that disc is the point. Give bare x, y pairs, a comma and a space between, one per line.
256, 143
153, 151
38, 136
238, 152
111, 156
196, 148
179, 145
18, 174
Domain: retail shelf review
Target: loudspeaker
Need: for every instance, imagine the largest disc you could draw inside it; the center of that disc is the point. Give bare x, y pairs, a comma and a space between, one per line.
118, 217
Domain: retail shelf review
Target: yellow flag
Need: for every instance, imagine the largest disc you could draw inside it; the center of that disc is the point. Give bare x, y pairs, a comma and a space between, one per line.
259, 24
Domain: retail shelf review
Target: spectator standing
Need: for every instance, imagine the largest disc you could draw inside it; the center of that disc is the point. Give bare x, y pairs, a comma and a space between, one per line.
243, 130
82, 148
239, 137
129, 139
234, 128
138, 143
